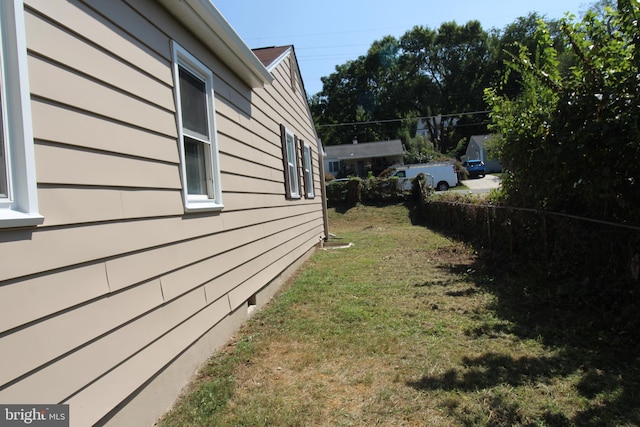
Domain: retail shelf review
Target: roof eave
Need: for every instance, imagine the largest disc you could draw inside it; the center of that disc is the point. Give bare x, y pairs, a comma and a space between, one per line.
278, 60
205, 21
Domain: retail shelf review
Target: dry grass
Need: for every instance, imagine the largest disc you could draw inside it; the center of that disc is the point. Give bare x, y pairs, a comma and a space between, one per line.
402, 329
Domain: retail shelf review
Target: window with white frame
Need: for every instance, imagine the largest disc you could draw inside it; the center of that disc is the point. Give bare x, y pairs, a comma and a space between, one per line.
290, 160
18, 186
334, 166
199, 166
4, 189
307, 167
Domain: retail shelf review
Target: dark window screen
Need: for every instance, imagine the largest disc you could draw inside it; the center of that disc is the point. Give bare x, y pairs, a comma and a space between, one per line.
193, 101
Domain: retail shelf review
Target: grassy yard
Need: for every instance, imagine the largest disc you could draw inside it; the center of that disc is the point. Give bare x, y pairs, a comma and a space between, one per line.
407, 328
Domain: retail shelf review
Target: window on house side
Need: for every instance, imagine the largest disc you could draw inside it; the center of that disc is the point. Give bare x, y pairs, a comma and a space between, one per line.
308, 171
334, 166
290, 160
4, 190
18, 185
200, 170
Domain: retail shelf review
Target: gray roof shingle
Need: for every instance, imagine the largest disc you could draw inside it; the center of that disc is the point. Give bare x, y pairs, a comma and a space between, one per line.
365, 150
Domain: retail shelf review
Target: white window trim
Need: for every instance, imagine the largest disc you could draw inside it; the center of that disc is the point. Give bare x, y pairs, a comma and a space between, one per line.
307, 170
294, 181
20, 209
212, 201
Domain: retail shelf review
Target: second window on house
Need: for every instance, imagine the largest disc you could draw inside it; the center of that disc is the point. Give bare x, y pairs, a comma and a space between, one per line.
290, 157
307, 167
196, 128
298, 166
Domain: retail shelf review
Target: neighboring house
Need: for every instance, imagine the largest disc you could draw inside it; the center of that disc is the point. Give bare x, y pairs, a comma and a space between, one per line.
358, 159
158, 182
477, 150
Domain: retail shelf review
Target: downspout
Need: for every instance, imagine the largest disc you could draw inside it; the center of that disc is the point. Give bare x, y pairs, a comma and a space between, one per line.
323, 190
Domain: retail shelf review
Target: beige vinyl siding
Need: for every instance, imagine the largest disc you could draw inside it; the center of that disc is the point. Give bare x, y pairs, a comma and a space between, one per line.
249, 257
86, 130
48, 294
77, 205
36, 345
109, 390
151, 55
119, 280
269, 265
56, 42
182, 256
51, 81
89, 167
105, 353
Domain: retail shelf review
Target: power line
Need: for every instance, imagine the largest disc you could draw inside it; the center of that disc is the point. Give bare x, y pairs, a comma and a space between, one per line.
442, 116
544, 212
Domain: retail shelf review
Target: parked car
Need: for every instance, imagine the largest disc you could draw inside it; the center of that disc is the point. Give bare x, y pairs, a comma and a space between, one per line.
440, 176
475, 168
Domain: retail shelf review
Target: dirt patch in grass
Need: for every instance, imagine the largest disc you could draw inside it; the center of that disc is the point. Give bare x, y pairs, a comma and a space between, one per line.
405, 328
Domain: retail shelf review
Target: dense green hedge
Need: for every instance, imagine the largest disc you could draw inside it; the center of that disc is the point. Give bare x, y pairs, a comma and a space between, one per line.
570, 144
570, 140
371, 191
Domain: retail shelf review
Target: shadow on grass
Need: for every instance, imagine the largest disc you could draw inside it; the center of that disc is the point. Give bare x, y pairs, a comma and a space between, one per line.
490, 370
601, 353
344, 207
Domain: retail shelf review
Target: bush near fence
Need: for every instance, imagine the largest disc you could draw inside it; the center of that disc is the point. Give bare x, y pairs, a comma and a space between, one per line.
369, 191
583, 261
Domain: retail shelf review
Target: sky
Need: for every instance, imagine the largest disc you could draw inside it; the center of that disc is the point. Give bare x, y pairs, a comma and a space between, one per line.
326, 33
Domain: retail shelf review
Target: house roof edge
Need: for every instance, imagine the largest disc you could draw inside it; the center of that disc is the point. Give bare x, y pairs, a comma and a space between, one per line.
207, 24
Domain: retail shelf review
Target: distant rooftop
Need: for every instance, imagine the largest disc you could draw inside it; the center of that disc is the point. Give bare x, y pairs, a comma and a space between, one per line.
365, 150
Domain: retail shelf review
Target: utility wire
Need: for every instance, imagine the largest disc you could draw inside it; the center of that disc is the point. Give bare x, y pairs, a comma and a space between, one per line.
544, 212
442, 116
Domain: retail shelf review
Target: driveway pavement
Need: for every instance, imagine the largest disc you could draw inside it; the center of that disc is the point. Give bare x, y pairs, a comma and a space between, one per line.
481, 185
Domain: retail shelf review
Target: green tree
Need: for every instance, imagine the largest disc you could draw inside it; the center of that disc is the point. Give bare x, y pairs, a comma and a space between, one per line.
449, 69
571, 142
425, 73
359, 91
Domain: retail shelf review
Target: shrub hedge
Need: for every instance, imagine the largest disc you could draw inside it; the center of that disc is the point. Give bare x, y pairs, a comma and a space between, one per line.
370, 191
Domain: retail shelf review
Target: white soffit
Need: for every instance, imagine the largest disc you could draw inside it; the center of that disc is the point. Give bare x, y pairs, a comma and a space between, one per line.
203, 19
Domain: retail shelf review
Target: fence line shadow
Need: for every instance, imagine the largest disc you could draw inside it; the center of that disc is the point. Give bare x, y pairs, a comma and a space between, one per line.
595, 335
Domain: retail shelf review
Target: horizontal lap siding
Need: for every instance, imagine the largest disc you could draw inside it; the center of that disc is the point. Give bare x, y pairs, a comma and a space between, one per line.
105, 353
79, 205
151, 55
90, 131
118, 281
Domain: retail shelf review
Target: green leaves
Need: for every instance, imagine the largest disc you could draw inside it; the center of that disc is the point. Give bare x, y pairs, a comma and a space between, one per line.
426, 72
572, 140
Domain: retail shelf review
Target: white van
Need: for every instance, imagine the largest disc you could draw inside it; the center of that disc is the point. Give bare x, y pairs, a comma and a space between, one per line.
440, 176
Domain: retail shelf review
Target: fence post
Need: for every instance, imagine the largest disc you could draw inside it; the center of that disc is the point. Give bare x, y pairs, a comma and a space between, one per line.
487, 213
544, 239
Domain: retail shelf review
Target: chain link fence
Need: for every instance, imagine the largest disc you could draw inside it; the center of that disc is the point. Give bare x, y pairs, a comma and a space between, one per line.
574, 256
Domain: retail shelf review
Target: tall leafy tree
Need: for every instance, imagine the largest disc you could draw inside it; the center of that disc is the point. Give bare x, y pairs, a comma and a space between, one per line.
451, 66
359, 91
523, 33
571, 141
425, 73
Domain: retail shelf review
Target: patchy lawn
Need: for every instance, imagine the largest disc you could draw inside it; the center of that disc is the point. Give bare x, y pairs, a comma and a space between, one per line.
405, 328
